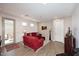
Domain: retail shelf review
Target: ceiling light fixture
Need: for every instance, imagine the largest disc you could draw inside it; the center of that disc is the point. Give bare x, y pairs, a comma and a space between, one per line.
32, 25
24, 24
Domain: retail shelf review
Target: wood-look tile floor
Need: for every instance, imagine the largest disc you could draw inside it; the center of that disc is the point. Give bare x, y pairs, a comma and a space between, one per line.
51, 49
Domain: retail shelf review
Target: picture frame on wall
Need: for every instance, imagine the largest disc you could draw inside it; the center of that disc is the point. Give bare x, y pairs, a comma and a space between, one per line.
44, 27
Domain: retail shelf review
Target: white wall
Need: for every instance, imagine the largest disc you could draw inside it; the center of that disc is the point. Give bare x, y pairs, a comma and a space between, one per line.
19, 28
67, 23
0, 26
60, 28
75, 25
45, 33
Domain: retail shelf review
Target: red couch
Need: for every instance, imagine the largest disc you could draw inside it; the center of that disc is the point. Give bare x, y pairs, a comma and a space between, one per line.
33, 40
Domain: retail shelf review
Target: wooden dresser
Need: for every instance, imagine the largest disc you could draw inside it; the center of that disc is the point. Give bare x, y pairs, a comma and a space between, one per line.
0, 40
69, 45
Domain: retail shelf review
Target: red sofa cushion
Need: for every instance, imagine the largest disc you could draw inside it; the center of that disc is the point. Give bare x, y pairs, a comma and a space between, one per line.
33, 41
34, 33
28, 34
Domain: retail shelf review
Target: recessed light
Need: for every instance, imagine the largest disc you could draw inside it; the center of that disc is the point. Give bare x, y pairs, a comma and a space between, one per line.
24, 24
32, 25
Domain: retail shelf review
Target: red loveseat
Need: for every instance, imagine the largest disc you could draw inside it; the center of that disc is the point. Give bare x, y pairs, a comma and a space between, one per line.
33, 40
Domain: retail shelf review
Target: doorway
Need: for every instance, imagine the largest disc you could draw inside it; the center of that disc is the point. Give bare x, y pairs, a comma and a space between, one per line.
58, 30
8, 31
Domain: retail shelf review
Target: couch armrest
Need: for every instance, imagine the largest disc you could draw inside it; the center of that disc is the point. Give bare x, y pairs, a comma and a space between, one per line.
43, 38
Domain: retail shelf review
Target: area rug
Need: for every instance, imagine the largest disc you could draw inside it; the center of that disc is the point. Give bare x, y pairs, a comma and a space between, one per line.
12, 46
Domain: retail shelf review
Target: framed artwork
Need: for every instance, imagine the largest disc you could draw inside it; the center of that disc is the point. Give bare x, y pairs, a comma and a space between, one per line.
44, 27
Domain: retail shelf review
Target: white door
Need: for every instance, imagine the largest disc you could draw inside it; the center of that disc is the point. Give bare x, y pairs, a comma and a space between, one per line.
58, 30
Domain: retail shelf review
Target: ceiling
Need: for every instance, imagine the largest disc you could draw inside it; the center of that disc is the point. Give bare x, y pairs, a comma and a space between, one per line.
39, 11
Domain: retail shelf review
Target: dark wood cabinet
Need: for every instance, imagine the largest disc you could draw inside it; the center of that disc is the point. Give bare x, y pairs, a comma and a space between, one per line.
69, 45
0, 40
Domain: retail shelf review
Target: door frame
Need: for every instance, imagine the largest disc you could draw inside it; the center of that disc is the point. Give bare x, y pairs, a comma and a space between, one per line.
3, 30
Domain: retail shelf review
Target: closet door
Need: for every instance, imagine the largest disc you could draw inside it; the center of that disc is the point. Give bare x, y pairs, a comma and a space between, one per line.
58, 30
